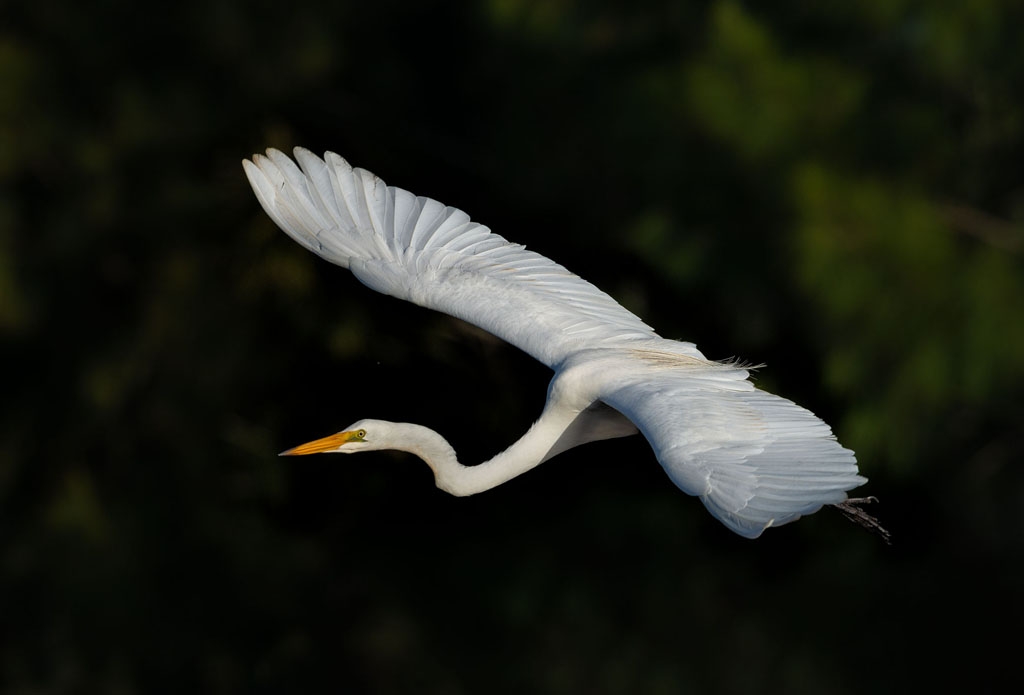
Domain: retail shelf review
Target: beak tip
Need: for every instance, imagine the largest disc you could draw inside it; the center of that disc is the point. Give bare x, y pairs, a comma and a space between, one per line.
319, 446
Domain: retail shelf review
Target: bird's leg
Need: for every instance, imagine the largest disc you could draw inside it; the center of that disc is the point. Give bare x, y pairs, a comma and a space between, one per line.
851, 509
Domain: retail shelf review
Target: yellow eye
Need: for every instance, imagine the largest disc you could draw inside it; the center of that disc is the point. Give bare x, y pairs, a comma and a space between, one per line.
361, 434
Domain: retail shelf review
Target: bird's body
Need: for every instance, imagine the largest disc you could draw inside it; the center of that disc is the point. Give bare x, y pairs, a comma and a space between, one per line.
755, 459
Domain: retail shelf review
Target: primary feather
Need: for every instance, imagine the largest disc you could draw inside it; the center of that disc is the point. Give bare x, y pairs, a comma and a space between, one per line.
754, 459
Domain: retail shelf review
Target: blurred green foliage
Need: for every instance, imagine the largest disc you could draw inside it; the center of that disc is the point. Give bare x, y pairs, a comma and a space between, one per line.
836, 191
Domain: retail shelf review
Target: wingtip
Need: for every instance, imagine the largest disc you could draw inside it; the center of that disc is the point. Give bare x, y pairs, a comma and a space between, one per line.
259, 160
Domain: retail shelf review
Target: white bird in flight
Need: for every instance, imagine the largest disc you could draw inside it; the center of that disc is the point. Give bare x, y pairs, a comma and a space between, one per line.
754, 459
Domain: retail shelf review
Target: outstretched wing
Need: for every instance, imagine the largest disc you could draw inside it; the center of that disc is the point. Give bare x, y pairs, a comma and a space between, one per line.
417, 249
755, 460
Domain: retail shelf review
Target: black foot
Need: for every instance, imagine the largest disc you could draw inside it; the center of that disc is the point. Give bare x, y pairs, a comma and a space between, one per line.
851, 509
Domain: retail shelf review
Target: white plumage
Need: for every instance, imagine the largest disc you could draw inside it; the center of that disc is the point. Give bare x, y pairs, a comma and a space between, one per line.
755, 459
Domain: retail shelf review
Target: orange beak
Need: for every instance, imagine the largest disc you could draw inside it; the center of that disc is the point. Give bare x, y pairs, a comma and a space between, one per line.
319, 446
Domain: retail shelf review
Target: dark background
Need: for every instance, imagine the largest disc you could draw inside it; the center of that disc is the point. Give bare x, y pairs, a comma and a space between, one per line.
837, 193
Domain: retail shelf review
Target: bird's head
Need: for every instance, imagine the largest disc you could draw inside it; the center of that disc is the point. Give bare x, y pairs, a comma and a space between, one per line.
375, 435
365, 435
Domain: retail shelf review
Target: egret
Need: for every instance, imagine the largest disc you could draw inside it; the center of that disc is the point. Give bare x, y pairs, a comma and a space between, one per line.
754, 459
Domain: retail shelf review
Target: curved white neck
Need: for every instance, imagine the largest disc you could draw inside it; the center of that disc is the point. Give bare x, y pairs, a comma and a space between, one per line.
536, 446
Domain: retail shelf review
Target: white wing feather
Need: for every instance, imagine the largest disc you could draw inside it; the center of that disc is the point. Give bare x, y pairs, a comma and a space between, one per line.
417, 249
755, 460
